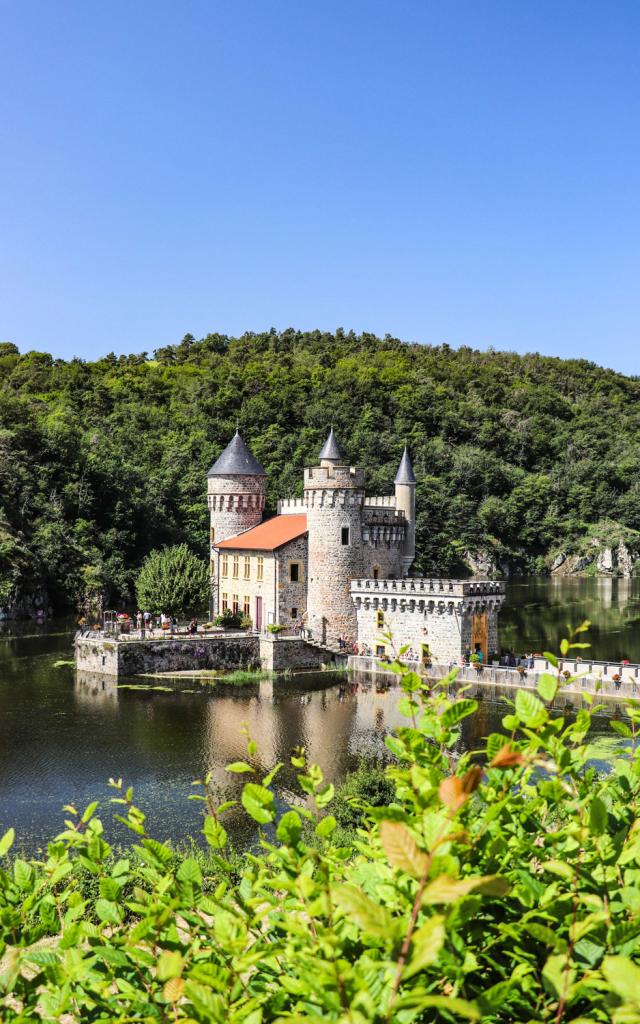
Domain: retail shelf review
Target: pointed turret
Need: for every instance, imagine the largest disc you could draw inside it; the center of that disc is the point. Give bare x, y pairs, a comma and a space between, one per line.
331, 450
405, 474
236, 460
405, 483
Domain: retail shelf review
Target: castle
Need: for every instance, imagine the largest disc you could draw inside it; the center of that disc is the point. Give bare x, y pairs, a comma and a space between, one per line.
337, 560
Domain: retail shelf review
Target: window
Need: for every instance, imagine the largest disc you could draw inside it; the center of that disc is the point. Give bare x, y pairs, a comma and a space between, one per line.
380, 620
345, 535
225, 566
294, 613
235, 604
247, 567
225, 602
213, 534
294, 572
236, 566
260, 567
380, 651
246, 609
376, 572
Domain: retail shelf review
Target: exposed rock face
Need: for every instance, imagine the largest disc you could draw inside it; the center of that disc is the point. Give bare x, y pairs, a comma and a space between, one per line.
608, 561
626, 560
482, 563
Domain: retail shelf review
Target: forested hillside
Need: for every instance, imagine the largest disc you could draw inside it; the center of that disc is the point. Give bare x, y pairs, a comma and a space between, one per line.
517, 456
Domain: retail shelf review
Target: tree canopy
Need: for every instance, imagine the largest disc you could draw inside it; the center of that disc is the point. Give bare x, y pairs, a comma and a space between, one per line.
173, 581
100, 462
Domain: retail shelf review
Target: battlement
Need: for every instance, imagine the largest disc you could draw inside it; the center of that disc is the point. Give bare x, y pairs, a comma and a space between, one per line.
447, 589
380, 501
291, 507
316, 477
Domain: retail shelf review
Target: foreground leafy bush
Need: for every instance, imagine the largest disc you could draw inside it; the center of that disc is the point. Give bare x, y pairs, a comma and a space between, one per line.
500, 889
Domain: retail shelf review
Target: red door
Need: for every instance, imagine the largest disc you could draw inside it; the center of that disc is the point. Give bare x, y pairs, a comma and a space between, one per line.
259, 614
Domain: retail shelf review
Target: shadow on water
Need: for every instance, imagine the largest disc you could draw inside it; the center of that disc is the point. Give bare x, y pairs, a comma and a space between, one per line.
62, 737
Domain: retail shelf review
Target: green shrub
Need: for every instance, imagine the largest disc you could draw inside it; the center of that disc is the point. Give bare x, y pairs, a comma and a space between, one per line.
506, 889
228, 619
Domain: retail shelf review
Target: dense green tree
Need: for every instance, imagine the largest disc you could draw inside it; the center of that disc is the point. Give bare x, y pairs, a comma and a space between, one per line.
101, 462
174, 581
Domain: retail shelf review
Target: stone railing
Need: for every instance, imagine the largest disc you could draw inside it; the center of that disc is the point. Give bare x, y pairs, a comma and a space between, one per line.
494, 675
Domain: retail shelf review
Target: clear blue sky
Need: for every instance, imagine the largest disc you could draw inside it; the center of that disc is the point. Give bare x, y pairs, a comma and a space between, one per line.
461, 172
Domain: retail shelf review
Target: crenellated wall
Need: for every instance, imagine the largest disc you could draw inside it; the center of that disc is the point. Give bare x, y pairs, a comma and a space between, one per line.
448, 617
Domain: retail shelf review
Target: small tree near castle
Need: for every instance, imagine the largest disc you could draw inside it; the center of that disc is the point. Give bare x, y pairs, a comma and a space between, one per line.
173, 580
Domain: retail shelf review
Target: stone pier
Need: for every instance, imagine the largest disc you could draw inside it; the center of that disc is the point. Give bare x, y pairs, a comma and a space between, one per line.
130, 656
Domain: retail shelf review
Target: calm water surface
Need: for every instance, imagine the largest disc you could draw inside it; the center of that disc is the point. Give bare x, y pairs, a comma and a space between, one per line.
62, 736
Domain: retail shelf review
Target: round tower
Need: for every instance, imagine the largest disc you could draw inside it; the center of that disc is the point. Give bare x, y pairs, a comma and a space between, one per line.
236, 486
405, 485
334, 499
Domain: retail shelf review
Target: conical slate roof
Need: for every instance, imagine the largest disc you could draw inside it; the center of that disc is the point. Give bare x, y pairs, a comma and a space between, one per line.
405, 474
331, 449
236, 460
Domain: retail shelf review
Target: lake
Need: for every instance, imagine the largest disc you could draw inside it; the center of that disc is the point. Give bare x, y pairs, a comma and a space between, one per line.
62, 737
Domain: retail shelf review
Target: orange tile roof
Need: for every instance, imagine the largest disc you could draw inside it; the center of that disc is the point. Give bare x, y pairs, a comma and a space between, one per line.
269, 535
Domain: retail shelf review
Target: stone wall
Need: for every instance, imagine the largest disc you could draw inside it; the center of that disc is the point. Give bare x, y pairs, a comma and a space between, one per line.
132, 657
291, 594
437, 613
281, 653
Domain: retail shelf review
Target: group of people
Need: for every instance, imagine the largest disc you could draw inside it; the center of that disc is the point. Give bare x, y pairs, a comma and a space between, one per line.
145, 623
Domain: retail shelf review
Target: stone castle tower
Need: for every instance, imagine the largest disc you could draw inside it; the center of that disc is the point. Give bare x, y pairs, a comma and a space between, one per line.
236, 488
334, 500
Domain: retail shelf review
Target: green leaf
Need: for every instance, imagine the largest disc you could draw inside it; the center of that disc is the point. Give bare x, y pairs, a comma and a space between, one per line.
598, 816
551, 658
238, 767
529, 709
258, 802
401, 849
447, 890
170, 965
108, 911
624, 977
456, 712
450, 1005
289, 828
268, 779
426, 944
369, 916
89, 812
621, 728
214, 833
189, 871
326, 826
325, 795
23, 874
558, 975
7, 841
547, 687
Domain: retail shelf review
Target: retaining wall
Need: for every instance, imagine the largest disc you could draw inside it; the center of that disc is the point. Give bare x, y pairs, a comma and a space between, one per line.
132, 657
